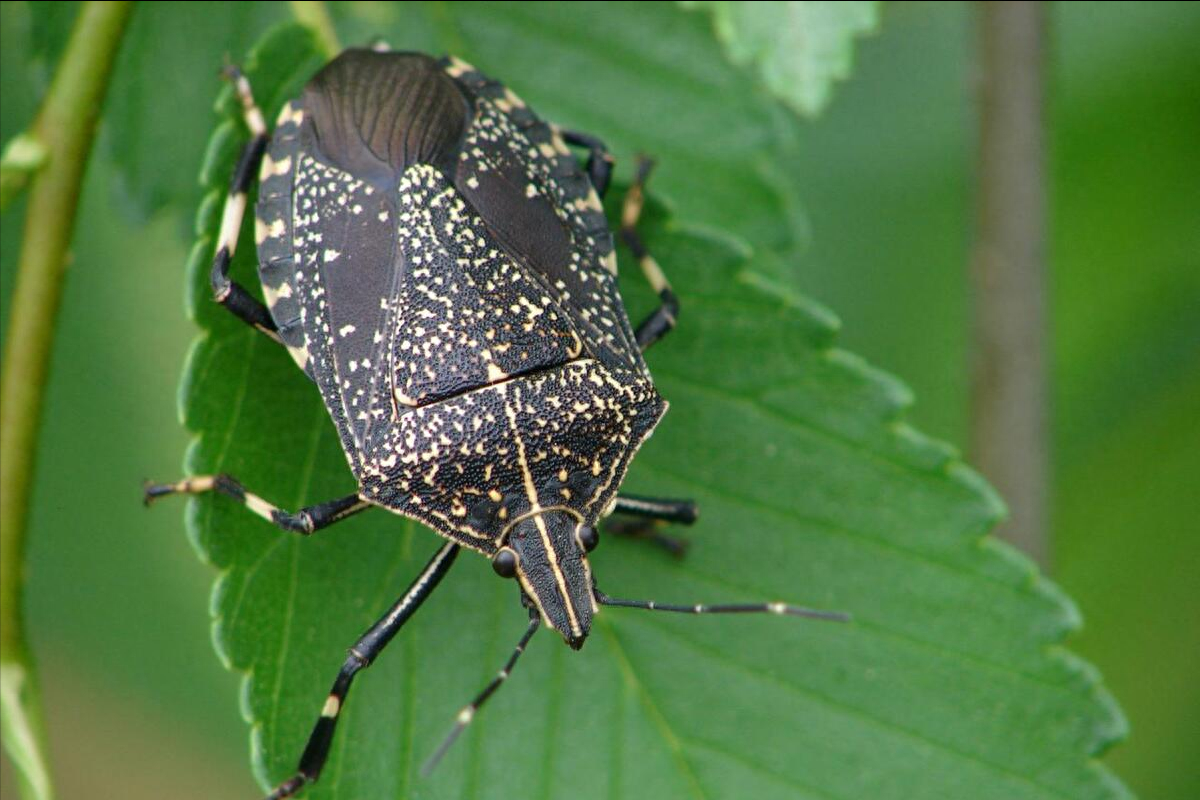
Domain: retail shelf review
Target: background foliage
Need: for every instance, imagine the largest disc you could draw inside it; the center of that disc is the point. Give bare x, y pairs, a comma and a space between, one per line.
882, 192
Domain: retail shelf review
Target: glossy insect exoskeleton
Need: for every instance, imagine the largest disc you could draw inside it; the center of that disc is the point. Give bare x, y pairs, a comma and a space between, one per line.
436, 259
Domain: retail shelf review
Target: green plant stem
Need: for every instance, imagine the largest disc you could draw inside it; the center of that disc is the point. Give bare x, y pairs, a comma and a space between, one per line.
65, 126
314, 15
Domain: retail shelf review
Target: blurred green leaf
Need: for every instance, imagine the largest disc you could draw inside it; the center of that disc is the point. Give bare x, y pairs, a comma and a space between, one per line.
648, 79
23, 729
165, 120
49, 28
1126, 256
159, 121
949, 683
799, 47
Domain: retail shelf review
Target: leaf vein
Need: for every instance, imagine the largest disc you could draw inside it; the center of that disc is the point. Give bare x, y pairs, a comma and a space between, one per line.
836, 529
849, 711
660, 722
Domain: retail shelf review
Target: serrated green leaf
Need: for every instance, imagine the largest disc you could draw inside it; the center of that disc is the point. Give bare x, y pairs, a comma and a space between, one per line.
949, 683
649, 79
157, 125
799, 47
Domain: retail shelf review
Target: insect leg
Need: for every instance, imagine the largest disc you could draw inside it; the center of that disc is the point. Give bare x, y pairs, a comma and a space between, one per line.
468, 713
681, 511
662, 320
647, 513
305, 521
360, 656
226, 292
600, 161
724, 608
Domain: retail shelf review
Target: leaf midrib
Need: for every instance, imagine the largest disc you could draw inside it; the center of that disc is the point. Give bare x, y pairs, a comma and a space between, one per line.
656, 715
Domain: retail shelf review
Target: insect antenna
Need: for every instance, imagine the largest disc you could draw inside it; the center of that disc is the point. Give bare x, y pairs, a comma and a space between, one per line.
725, 608
468, 713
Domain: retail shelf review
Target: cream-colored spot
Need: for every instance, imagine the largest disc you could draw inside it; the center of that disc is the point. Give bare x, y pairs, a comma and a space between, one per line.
299, 355
290, 114
610, 262
458, 67
259, 506
654, 274
612, 504
202, 484
403, 399
231, 220
271, 168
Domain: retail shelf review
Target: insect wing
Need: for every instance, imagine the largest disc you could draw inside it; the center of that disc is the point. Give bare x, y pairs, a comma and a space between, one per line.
529, 189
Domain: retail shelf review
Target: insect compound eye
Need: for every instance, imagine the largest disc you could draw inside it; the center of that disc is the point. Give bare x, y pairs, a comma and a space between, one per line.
505, 563
589, 537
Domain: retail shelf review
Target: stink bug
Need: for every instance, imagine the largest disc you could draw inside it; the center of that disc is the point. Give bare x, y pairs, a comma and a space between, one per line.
436, 260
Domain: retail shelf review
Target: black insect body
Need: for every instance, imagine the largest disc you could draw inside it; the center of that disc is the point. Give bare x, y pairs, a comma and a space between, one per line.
435, 259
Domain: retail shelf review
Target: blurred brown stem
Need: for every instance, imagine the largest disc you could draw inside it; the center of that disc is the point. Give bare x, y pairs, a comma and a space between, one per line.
65, 127
1008, 391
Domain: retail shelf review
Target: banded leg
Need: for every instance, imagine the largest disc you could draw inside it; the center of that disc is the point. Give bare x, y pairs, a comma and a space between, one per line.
305, 521
226, 292
659, 323
468, 713
600, 161
725, 608
360, 656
